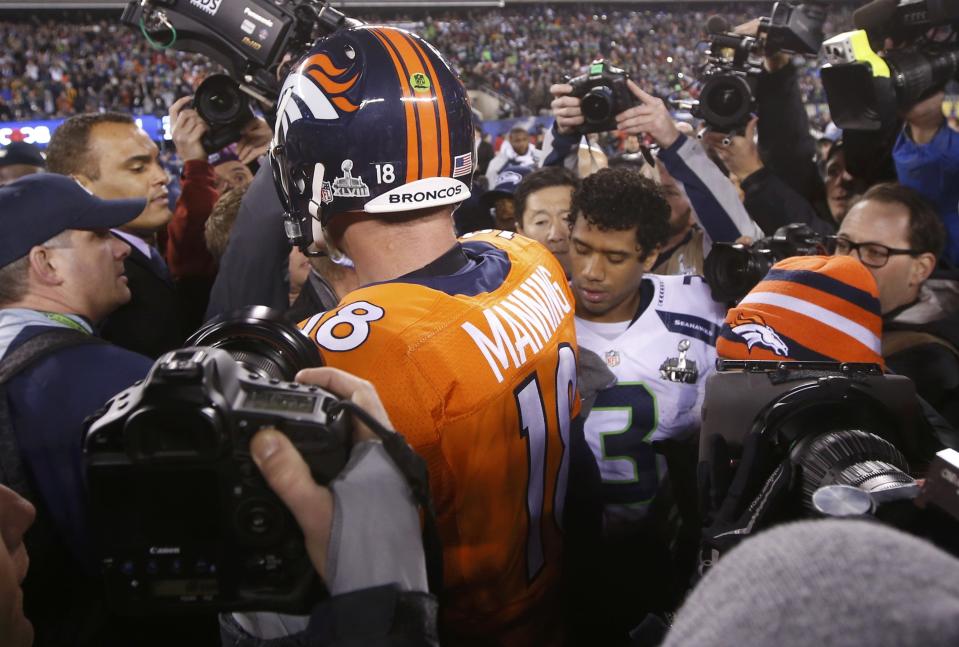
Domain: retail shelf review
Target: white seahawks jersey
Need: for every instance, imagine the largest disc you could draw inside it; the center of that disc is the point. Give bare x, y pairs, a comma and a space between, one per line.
661, 362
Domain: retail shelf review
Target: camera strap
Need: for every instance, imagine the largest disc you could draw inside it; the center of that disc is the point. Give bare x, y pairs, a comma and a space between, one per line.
414, 471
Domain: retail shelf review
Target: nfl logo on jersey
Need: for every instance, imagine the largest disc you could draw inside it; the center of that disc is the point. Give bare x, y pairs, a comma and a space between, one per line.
612, 358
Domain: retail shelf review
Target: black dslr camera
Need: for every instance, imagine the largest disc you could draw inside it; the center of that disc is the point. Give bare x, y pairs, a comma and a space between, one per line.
249, 38
856, 440
732, 269
604, 94
183, 519
734, 62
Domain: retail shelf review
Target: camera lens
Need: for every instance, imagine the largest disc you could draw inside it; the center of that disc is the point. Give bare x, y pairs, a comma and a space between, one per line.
849, 457
597, 104
726, 101
219, 100
731, 271
261, 340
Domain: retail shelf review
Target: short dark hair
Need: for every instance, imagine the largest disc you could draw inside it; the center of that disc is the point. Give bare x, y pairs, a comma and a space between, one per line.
543, 178
927, 234
620, 199
68, 152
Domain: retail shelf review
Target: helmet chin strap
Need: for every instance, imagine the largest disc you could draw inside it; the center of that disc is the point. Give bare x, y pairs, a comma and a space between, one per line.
334, 253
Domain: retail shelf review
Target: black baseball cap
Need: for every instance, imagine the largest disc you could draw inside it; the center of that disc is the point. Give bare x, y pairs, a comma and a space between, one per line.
37, 207
21, 153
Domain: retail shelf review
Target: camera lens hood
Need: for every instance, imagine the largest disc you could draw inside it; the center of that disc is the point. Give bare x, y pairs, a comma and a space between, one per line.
261, 340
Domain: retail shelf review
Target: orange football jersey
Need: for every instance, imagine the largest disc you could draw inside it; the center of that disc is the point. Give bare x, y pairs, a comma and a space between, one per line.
478, 371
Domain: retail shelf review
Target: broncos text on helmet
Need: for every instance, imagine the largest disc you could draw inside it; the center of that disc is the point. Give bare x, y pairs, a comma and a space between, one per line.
373, 119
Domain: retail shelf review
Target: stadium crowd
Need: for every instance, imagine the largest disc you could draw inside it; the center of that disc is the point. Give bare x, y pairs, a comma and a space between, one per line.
628, 382
55, 68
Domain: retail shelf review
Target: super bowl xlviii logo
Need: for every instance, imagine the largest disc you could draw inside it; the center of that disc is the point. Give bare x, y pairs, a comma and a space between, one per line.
755, 331
209, 6
348, 186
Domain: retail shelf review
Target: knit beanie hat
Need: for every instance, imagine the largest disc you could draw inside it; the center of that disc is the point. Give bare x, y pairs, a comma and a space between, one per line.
808, 308
828, 583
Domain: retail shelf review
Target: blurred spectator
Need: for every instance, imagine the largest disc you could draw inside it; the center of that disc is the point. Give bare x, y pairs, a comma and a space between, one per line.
898, 236
927, 158
218, 225
113, 158
542, 202
61, 272
517, 150
499, 199
18, 159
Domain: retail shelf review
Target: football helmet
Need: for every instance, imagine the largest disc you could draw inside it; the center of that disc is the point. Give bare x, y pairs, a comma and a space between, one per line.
372, 119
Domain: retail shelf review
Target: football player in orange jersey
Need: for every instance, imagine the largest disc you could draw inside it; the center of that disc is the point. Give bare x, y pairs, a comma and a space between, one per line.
469, 343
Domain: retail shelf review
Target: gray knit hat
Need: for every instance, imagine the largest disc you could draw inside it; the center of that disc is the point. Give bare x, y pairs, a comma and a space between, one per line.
825, 584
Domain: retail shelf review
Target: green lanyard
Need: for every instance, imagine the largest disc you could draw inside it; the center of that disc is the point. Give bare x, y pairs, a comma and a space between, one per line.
65, 320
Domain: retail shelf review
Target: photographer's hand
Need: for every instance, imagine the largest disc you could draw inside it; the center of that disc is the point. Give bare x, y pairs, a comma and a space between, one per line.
254, 141
926, 118
187, 129
289, 476
652, 116
740, 154
566, 109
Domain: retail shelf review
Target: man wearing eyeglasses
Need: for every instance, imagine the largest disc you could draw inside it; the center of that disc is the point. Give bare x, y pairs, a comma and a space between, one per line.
899, 236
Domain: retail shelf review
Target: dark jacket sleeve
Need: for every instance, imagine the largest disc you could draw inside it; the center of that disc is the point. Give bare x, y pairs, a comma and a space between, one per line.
254, 268
186, 252
785, 145
935, 371
563, 145
772, 203
381, 616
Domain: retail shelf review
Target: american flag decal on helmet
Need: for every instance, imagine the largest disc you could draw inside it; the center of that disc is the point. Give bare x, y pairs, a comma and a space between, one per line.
462, 164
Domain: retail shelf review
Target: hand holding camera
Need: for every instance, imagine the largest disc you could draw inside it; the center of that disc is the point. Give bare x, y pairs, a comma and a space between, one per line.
287, 473
650, 116
738, 152
606, 99
187, 129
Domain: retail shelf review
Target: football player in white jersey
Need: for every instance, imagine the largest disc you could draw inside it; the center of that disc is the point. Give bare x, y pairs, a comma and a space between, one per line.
657, 334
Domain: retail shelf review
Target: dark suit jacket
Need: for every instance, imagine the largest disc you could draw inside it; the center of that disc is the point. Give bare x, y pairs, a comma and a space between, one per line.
151, 323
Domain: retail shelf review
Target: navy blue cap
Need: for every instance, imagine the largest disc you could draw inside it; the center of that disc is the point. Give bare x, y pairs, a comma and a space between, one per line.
506, 182
37, 207
21, 153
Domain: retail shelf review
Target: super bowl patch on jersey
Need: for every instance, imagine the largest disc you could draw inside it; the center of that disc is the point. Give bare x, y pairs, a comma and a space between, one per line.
680, 369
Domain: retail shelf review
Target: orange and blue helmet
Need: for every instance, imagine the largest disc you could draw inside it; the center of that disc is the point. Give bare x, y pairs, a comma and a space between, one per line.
372, 120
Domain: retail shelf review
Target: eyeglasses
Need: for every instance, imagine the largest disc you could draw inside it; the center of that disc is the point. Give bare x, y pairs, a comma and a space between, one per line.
872, 255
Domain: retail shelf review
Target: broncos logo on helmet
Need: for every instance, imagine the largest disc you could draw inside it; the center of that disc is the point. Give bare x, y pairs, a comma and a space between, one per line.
375, 120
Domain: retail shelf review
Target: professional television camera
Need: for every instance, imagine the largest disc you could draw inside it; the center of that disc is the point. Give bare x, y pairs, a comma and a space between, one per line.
732, 269
251, 39
734, 62
184, 521
834, 440
865, 89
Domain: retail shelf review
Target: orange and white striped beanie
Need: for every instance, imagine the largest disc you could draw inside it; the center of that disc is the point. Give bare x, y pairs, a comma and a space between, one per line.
808, 308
